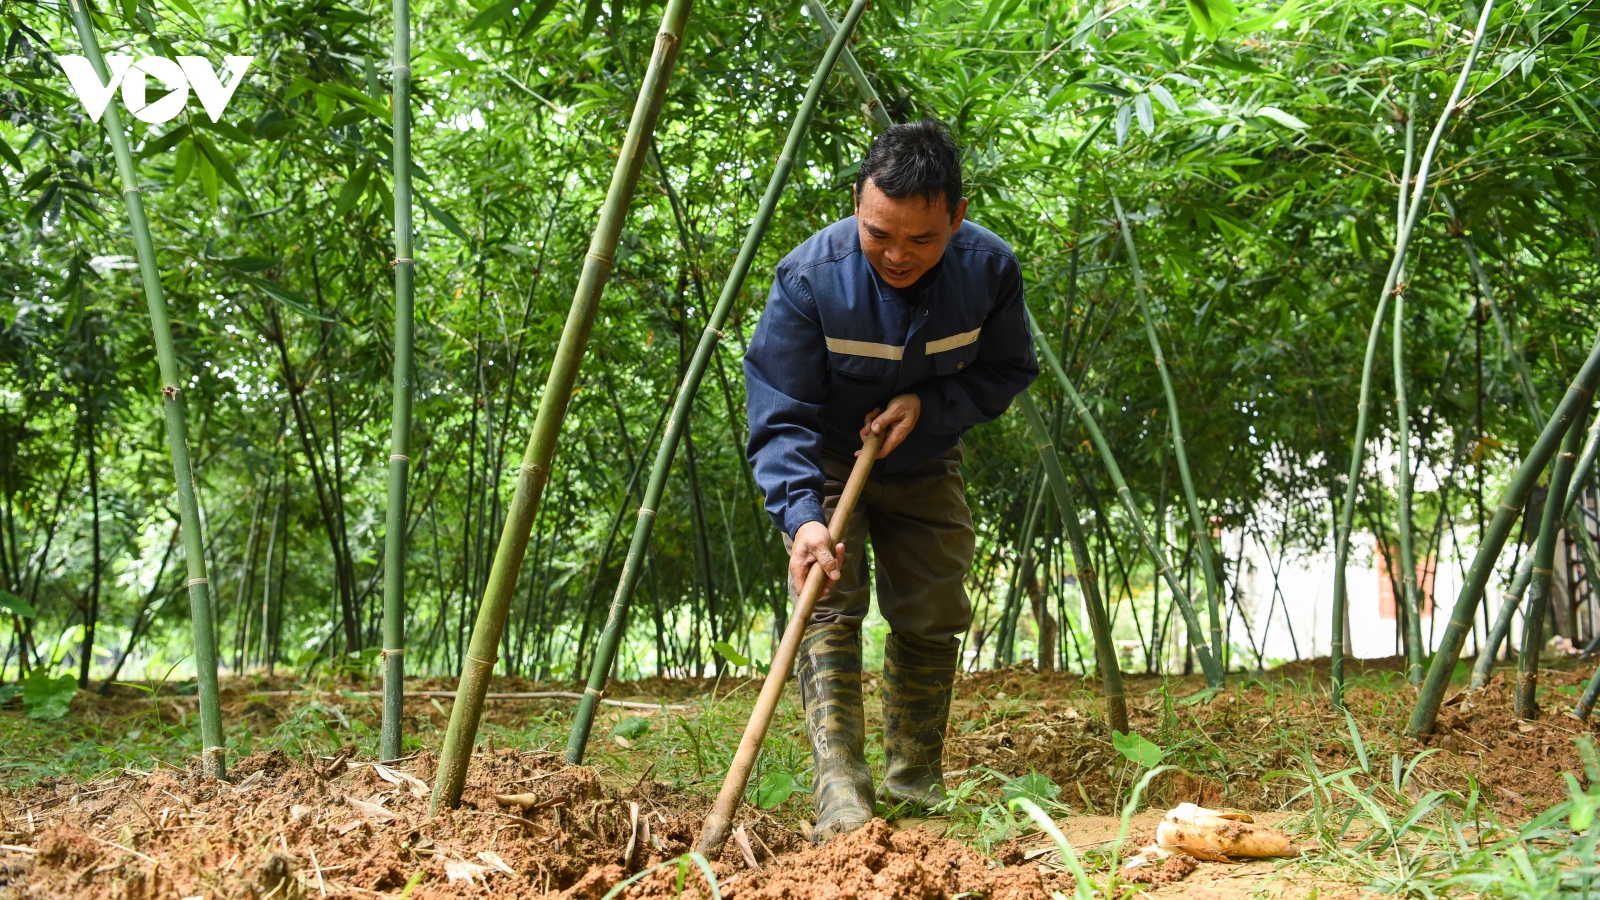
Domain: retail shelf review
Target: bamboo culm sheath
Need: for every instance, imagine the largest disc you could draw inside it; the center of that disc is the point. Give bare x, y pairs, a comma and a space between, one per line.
1579, 394
632, 567
1201, 530
1544, 556
213, 752
534, 471
1402, 240
1099, 625
394, 539
1202, 651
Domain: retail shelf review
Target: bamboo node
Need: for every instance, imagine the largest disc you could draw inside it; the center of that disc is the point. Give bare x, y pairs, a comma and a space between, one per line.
395, 456
1539, 571
593, 692
535, 471
405, 69
482, 662
194, 581
388, 653
646, 511
170, 392
603, 260
402, 261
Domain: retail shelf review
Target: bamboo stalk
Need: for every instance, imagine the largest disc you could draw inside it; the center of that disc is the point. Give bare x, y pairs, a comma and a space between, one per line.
714, 832
633, 565
1197, 639
1201, 529
1005, 641
1544, 556
1105, 652
213, 751
534, 471
1483, 667
1358, 445
1579, 395
394, 539
869, 97
1408, 552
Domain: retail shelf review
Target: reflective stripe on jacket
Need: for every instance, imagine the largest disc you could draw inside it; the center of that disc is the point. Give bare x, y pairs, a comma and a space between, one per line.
837, 341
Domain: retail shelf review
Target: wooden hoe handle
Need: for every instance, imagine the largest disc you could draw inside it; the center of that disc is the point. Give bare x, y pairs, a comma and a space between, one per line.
715, 830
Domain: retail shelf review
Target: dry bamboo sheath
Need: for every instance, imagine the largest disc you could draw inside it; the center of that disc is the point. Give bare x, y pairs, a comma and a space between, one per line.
715, 830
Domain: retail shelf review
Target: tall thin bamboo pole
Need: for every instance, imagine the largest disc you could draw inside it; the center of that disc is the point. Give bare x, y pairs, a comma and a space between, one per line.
534, 471
633, 566
1579, 394
1484, 666
1197, 639
1408, 555
394, 538
1544, 556
1201, 529
1358, 445
1105, 653
869, 97
1005, 641
213, 752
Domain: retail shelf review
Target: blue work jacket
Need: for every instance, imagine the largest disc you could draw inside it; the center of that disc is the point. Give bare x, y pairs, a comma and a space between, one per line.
837, 341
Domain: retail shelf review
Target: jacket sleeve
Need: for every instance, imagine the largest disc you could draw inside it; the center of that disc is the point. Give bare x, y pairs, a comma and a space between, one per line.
1004, 367
786, 385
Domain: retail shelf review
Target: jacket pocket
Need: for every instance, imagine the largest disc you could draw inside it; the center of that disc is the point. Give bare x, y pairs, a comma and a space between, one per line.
951, 362
851, 369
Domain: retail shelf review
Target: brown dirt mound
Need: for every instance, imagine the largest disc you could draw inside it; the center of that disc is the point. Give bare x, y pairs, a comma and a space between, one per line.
291, 829
873, 863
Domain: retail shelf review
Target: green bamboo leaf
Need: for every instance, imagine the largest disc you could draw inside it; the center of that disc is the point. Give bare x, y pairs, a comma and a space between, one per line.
208, 177
450, 222
1164, 96
15, 605
219, 161
9, 156
1146, 113
1282, 118
184, 164
163, 143
354, 186
539, 14
187, 7
492, 14
591, 14
294, 301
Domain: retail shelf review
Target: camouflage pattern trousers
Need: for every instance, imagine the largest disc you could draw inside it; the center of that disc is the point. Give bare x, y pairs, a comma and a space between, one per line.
920, 533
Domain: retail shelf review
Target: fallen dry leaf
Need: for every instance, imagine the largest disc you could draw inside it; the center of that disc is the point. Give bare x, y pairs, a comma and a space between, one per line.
493, 859
370, 810
416, 785
461, 870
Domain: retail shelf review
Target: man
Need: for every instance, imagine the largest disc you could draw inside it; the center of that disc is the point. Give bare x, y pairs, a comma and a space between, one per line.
907, 320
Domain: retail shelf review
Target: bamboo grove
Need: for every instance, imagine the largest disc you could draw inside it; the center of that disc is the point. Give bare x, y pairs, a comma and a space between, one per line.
1298, 271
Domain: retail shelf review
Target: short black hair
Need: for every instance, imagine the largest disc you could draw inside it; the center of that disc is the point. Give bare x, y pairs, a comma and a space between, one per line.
916, 159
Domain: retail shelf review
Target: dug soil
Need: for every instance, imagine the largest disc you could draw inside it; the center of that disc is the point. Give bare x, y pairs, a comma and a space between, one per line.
340, 826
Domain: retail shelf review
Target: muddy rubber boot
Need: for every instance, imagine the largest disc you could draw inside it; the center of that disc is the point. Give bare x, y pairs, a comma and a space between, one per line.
917, 681
830, 686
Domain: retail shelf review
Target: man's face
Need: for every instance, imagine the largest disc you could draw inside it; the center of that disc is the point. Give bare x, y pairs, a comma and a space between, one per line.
903, 239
